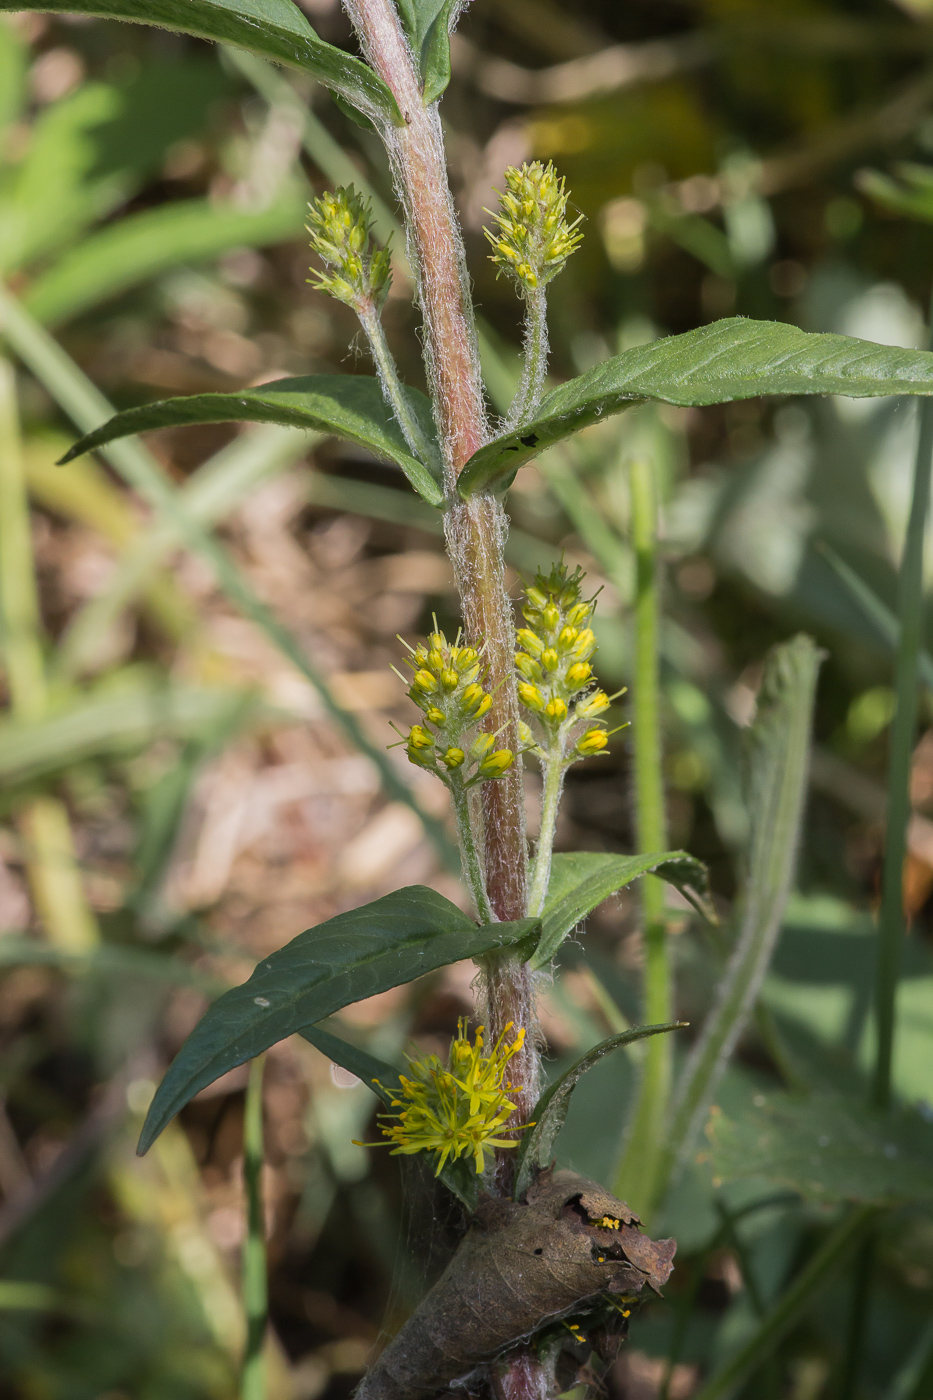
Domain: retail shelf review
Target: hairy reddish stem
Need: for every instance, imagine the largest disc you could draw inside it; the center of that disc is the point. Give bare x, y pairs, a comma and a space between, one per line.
476, 529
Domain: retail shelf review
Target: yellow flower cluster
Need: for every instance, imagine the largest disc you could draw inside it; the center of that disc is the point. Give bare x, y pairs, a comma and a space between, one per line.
533, 239
457, 1110
555, 676
339, 223
447, 688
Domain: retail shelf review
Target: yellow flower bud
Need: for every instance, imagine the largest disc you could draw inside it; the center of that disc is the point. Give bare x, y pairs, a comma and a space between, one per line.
556, 708
449, 679
568, 635
578, 674
528, 667
435, 661
482, 745
529, 640
437, 641
549, 659
592, 705
530, 696
524, 733
466, 657
551, 617
453, 758
473, 699
536, 597
585, 644
593, 741
496, 763
419, 738
483, 708
424, 682
435, 716
579, 614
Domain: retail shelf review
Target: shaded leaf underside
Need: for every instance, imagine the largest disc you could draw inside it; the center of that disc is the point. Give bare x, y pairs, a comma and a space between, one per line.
730, 359
350, 957
350, 405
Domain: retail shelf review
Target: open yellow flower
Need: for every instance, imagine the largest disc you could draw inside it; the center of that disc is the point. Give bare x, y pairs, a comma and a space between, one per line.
457, 1109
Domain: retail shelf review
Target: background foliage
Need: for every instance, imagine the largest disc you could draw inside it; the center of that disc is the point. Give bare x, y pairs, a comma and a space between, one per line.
180, 798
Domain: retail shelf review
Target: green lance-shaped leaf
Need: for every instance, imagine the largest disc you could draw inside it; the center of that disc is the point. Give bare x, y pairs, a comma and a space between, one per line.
428, 24
777, 788
276, 29
731, 359
350, 957
137, 247
550, 1112
350, 405
583, 879
828, 1148
383, 1079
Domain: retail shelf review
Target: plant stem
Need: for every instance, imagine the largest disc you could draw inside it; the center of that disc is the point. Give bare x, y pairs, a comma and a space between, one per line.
254, 1281
903, 731
472, 861
550, 802
637, 1176
392, 389
531, 387
435, 245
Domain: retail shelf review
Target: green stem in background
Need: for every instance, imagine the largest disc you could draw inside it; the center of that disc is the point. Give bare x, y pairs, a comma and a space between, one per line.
386, 369
534, 367
88, 408
254, 1281
637, 1176
472, 859
785, 1313
550, 803
903, 731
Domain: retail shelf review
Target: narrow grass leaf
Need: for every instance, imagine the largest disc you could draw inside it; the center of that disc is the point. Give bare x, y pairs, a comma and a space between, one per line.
350, 957
777, 787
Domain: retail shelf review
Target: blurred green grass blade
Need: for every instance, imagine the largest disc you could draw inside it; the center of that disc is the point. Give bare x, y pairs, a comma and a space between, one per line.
28, 1297
348, 958
255, 1283
728, 360
328, 155
138, 246
275, 28
12, 74
92, 150
789, 1308
78, 397
218, 487
915, 1378
110, 723
910, 614
349, 405
779, 761
581, 880
550, 1112
877, 612
827, 1148
108, 959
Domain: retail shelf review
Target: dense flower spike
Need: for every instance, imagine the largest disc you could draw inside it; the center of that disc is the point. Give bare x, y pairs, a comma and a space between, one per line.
339, 223
556, 686
532, 238
459, 1109
447, 688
